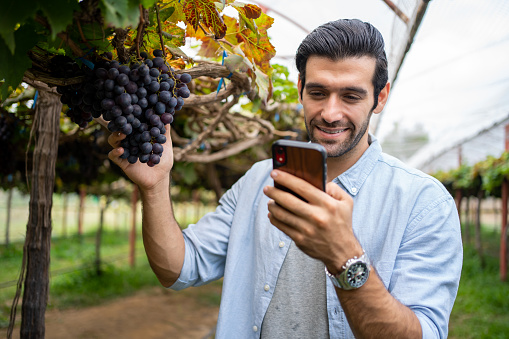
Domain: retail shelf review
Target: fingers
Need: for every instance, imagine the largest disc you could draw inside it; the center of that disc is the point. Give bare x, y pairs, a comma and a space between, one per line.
115, 138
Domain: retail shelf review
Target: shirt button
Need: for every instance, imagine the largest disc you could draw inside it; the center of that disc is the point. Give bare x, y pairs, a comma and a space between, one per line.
354, 189
255, 328
281, 244
266, 287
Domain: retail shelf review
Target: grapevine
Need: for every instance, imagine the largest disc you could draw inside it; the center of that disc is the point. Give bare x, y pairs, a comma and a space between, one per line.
138, 100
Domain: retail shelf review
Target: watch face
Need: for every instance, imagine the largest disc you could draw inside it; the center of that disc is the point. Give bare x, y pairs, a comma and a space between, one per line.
357, 274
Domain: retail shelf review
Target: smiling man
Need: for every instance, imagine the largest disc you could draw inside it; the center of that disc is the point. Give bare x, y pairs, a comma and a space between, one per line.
378, 255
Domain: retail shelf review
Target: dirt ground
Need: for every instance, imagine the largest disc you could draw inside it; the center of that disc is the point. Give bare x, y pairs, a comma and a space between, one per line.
150, 314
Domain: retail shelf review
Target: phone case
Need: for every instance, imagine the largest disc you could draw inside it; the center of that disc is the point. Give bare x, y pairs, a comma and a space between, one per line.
302, 159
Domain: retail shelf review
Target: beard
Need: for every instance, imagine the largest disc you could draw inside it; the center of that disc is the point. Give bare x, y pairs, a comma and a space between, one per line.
335, 148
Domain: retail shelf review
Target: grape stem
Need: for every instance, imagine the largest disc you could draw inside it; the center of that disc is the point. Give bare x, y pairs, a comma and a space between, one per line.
160, 31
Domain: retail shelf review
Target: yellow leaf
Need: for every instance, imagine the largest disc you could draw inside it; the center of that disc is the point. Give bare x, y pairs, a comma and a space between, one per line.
205, 12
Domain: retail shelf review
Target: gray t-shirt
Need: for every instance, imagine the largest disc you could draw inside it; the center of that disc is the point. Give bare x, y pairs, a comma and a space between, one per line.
298, 308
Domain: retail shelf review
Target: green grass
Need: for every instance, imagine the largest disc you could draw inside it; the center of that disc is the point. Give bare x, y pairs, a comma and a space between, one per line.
74, 281
481, 309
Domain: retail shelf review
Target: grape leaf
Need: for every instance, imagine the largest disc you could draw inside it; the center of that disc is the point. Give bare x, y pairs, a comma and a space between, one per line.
205, 11
59, 14
13, 13
236, 62
13, 66
258, 48
120, 13
263, 84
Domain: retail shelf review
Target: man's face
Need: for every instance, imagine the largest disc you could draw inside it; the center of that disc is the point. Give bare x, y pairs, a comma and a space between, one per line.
338, 100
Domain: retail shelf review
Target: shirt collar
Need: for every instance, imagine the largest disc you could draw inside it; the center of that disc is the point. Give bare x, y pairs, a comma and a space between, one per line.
353, 178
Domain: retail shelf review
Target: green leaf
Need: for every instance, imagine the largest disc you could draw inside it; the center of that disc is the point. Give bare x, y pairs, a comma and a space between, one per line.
120, 13
166, 13
263, 82
13, 66
12, 14
148, 3
236, 62
59, 14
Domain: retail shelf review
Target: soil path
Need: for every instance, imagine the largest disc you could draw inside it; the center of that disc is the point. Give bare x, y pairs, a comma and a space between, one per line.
150, 314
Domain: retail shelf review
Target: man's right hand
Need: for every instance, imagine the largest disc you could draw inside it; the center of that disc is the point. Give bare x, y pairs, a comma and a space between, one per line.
147, 178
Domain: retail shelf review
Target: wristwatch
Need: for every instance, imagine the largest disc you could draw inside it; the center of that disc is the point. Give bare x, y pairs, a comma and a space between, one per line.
355, 273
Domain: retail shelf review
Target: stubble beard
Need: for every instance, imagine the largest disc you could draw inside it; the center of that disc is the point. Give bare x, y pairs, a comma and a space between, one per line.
337, 149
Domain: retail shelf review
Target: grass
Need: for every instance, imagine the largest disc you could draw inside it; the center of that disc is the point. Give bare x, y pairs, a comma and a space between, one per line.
481, 309
74, 281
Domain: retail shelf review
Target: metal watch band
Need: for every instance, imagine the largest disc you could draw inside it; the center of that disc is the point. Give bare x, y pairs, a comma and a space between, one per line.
344, 281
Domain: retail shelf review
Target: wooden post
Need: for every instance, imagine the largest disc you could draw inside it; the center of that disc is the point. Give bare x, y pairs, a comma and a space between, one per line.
81, 211
503, 233
132, 235
34, 275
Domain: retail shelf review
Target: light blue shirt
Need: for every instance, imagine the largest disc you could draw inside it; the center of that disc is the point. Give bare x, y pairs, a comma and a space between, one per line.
404, 219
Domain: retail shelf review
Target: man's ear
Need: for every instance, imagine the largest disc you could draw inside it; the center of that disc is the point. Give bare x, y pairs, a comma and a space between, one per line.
382, 98
299, 88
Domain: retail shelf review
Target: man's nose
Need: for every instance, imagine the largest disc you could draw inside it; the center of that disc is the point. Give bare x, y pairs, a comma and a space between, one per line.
332, 110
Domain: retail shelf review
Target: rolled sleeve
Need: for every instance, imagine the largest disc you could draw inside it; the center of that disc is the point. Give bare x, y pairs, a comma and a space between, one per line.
428, 268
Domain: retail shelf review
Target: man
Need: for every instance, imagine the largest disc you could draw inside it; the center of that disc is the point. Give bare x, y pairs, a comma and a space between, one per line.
377, 255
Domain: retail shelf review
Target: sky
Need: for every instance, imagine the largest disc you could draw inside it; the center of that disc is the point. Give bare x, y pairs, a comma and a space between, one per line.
456, 73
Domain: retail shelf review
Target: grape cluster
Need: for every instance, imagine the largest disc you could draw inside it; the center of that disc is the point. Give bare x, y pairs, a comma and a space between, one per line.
137, 100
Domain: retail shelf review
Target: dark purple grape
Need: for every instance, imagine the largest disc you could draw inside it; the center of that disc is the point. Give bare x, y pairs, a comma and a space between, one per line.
120, 121
155, 159
116, 111
153, 86
132, 159
124, 69
141, 92
144, 158
113, 73
127, 129
122, 79
124, 99
158, 53
154, 131
143, 70
172, 102
159, 108
157, 148
160, 139
144, 55
155, 120
107, 103
146, 148
166, 118
164, 86
152, 99
165, 96
131, 87
158, 62
145, 136
149, 63
101, 73
183, 92
185, 78
154, 72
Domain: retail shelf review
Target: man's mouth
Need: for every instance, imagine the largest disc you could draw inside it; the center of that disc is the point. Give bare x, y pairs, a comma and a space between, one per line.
331, 130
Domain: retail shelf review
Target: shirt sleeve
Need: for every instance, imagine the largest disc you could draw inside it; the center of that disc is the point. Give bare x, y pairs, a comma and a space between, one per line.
430, 258
206, 243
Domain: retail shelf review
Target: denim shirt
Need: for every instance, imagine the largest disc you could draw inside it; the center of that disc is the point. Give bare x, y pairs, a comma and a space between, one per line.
405, 220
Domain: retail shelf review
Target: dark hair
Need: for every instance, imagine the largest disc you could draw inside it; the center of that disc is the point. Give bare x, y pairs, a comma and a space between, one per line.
342, 39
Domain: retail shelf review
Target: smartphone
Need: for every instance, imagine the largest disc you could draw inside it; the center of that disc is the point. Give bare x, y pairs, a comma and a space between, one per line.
302, 159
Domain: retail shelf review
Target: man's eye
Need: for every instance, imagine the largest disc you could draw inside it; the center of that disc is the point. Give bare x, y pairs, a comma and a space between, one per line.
316, 94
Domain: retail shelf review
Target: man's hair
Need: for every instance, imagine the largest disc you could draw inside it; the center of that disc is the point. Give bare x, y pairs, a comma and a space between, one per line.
343, 39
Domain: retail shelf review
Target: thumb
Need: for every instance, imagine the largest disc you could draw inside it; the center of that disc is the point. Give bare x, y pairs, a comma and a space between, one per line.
337, 192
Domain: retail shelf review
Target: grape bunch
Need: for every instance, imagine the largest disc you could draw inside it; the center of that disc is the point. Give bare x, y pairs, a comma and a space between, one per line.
137, 100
